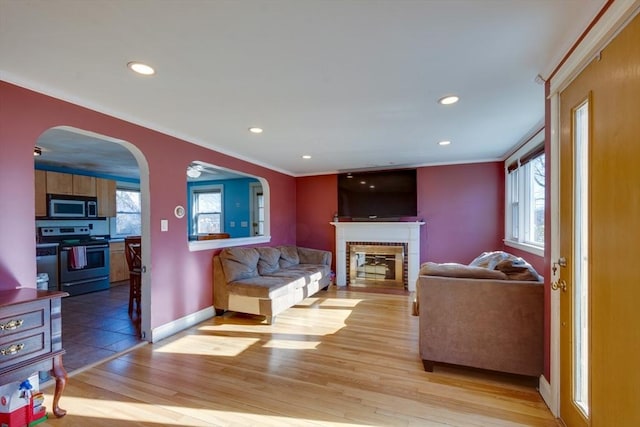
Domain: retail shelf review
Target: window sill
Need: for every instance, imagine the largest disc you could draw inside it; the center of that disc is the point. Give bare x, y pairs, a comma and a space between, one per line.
536, 250
203, 245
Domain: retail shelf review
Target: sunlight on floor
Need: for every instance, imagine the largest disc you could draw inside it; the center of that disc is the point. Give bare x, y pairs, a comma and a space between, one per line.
207, 345
292, 344
79, 407
296, 321
338, 302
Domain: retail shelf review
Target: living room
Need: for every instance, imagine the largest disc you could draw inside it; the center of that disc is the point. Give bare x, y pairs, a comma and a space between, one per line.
463, 204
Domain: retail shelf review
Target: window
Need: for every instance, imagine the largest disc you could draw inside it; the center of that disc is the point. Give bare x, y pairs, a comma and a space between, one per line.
207, 209
525, 197
128, 218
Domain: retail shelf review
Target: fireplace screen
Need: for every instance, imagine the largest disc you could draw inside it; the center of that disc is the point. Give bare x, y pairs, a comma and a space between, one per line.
376, 265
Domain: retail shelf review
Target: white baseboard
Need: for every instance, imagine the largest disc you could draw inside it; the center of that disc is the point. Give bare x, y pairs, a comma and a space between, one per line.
168, 329
545, 391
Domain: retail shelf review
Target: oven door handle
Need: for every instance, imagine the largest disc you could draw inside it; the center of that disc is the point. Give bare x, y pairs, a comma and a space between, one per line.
81, 282
93, 248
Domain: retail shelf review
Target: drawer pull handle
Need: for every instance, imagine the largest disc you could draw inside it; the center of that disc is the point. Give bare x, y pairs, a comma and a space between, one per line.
11, 350
10, 326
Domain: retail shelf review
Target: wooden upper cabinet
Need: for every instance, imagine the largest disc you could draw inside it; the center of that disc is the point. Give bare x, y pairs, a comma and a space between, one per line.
84, 185
41, 193
59, 183
106, 193
73, 185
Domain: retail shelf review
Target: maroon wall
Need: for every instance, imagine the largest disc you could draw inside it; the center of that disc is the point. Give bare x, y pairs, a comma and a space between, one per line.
180, 279
317, 198
462, 205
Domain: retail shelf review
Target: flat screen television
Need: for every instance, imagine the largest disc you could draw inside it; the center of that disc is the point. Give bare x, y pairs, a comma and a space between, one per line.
389, 194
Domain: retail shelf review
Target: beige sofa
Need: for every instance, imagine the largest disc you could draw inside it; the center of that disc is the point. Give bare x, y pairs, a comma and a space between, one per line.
480, 317
268, 280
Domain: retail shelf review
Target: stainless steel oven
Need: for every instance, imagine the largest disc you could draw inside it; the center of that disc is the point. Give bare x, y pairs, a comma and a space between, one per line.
83, 261
92, 275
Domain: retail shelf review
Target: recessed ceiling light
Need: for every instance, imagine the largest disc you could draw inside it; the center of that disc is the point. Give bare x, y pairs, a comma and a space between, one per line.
444, 142
447, 100
255, 130
141, 68
306, 156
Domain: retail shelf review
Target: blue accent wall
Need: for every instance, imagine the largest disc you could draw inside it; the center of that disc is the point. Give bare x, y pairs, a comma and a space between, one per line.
236, 209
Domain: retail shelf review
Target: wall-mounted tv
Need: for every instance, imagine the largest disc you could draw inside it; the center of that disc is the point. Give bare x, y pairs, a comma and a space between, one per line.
389, 194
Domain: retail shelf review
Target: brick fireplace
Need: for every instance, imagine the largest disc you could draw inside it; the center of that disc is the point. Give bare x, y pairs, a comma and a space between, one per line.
385, 234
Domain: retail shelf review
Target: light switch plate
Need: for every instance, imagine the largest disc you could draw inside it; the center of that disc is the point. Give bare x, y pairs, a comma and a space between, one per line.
164, 225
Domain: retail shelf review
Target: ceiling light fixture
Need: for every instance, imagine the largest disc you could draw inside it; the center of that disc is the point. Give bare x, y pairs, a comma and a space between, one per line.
255, 130
448, 100
141, 68
306, 157
37, 151
194, 171
443, 143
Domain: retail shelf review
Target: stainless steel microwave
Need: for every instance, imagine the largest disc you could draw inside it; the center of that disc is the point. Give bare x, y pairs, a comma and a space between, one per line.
62, 206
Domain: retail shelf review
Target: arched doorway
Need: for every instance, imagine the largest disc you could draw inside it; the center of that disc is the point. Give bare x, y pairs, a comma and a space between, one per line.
101, 326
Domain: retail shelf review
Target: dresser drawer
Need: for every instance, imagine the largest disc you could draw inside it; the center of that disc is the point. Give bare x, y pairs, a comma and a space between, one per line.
23, 348
20, 318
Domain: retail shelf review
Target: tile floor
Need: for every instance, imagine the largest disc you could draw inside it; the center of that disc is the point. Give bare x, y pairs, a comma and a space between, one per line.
96, 326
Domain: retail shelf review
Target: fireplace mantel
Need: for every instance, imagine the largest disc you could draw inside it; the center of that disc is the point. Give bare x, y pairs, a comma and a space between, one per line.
401, 232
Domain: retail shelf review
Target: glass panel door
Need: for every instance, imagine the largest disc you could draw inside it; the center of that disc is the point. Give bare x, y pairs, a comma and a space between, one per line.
581, 257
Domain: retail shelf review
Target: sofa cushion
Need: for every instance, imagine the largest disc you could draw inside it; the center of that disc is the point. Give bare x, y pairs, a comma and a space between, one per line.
288, 256
453, 269
302, 274
260, 287
239, 263
296, 278
269, 260
518, 269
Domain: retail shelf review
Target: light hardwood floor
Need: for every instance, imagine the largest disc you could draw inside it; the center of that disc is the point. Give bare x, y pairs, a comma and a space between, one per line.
341, 358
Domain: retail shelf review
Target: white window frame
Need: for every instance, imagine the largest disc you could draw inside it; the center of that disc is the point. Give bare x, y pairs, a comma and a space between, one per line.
113, 220
517, 198
210, 188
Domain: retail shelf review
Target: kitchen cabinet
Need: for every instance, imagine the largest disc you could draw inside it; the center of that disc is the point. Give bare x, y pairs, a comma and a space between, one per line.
84, 185
59, 183
106, 194
74, 185
118, 268
41, 193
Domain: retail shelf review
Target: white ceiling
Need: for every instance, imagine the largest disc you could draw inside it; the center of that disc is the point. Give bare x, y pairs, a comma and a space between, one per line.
353, 83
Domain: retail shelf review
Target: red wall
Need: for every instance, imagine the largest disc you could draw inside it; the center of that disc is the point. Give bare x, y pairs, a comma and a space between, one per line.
180, 279
462, 205
317, 198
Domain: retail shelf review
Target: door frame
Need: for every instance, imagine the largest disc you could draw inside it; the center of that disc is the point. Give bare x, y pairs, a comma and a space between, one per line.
606, 27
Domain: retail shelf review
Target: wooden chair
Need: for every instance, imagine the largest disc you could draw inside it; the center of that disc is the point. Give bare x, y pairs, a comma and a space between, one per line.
133, 254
